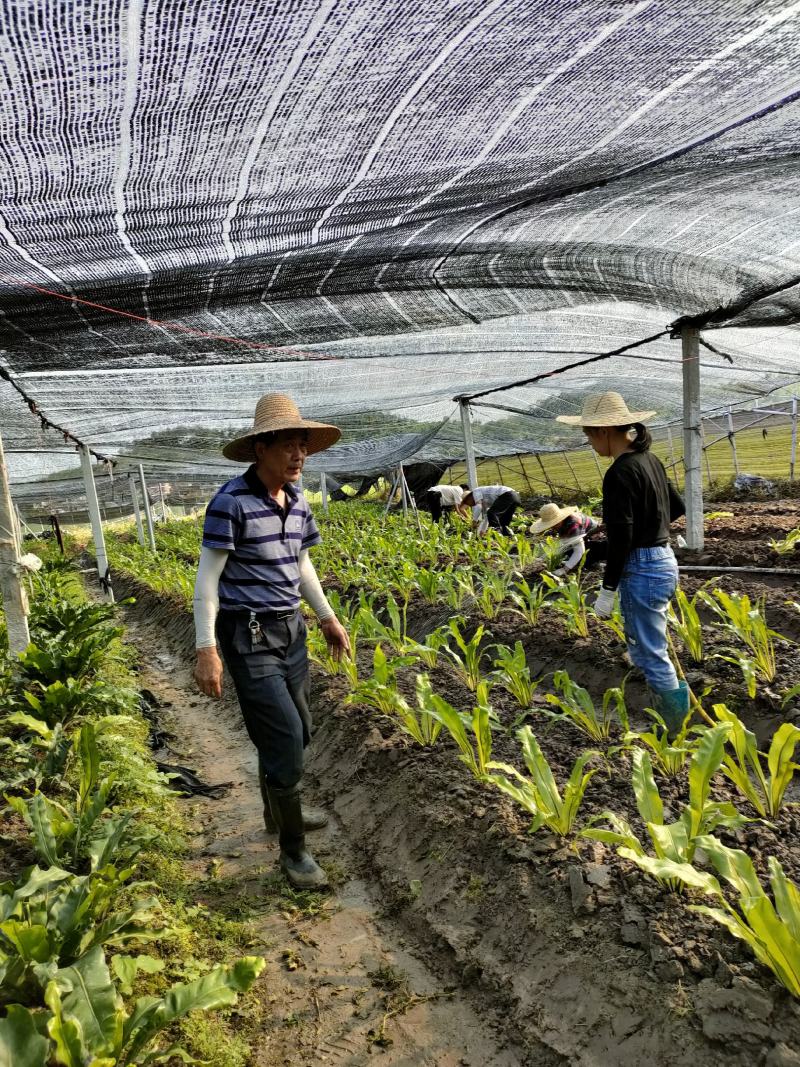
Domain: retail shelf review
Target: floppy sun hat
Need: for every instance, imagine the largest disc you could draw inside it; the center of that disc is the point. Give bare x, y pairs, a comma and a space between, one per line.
274, 412
550, 515
606, 409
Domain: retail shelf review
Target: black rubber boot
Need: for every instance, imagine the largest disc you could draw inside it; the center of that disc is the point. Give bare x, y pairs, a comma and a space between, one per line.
313, 818
297, 863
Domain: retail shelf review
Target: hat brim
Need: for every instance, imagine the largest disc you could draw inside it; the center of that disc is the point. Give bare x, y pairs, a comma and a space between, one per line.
540, 527
321, 435
598, 421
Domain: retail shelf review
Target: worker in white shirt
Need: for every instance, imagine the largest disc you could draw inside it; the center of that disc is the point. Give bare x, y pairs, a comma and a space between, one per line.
446, 498
493, 505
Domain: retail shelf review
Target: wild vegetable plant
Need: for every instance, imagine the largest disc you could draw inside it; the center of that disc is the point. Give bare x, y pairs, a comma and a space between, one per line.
569, 600
528, 600
685, 621
576, 706
468, 662
513, 673
784, 546
669, 754
675, 842
745, 620
742, 763
472, 733
550, 551
492, 595
539, 794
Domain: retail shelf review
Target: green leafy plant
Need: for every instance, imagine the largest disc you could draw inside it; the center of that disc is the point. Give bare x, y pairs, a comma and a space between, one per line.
380, 690
539, 794
685, 621
63, 834
472, 734
675, 842
493, 594
742, 763
785, 546
577, 707
747, 621
513, 673
569, 601
528, 600
670, 754
87, 1022
468, 663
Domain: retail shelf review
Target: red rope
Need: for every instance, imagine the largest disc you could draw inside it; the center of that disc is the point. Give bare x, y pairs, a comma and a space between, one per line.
164, 323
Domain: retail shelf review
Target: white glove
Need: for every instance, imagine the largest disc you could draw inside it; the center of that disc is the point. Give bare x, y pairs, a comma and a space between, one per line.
30, 562
604, 605
560, 572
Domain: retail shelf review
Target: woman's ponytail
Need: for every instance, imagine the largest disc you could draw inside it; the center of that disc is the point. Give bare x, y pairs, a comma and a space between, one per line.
638, 435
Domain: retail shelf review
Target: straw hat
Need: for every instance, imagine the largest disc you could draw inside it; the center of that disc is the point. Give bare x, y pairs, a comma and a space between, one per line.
607, 409
550, 515
275, 411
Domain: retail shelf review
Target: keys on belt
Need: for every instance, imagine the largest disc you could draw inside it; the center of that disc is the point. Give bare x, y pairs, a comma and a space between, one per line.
254, 626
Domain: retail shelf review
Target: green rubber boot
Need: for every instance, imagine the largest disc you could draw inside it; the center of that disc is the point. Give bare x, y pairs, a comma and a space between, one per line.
673, 707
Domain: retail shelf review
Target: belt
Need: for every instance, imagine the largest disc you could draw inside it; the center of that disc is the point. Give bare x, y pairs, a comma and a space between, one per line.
270, 616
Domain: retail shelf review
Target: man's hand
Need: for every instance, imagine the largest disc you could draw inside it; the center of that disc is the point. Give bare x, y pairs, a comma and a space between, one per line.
604, 605
336, 636
208, 671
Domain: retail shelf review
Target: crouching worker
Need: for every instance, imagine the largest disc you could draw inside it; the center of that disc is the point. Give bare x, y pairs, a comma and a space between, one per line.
254, 567
571, 527
639, 503
493, 505
446, 498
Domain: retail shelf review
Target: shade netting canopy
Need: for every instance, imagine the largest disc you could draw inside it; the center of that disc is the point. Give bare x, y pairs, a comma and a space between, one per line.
376, 205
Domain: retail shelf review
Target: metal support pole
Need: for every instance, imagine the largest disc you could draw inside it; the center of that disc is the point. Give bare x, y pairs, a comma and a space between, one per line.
323, 488
392, 491
732, 439
96, 523
148, 514
137, 514
709, 476
692, 437
163, 505
15, 602
469, 445
597, 464
793, 456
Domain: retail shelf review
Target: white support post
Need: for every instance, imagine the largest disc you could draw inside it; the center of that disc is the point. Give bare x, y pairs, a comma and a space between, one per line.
323, 488
137, 514
15, 602
411, 501
597, 464
732, 439
793, 456
148, 514
401, 481
96, 523
469, 445
692, 437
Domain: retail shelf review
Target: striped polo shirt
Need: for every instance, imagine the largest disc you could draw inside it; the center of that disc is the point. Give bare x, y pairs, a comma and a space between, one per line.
264, 541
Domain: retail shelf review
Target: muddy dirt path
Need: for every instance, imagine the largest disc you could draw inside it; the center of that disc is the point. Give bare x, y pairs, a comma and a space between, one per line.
340, 983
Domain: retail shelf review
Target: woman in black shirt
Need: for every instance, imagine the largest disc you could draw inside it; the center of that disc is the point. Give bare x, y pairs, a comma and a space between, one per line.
639, 503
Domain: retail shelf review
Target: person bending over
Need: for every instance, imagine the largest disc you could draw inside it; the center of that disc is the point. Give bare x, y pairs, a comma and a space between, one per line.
443, 499
639, 503
254, 567
493, 505
571, 527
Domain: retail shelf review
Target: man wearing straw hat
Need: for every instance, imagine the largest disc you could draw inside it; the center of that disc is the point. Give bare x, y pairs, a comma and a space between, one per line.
639, 503
254, 568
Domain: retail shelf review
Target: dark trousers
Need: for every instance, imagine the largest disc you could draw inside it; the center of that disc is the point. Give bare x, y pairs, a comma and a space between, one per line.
433, 502
273, 686
502, 511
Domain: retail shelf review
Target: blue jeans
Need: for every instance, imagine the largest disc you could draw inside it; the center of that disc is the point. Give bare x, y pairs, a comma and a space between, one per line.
648, 582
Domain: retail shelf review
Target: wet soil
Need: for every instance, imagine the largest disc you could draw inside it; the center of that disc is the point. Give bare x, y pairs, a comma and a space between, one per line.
343, 982
553, 952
